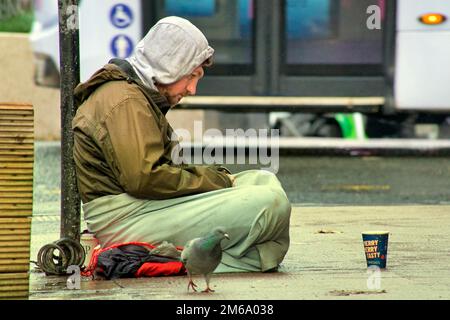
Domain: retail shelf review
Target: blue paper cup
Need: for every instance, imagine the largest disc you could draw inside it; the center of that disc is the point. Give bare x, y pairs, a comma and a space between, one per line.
375, 247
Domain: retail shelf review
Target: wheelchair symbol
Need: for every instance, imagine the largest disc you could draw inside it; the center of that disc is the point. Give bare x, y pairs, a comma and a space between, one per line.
121, 16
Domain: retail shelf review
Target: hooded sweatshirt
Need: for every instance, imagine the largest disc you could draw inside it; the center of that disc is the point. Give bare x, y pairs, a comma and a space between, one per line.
123, 142
172, 48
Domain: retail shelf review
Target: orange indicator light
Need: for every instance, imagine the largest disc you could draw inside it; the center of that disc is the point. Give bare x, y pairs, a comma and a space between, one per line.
432, 18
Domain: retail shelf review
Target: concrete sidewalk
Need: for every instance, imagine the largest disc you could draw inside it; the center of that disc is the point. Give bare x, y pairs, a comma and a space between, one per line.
325, 261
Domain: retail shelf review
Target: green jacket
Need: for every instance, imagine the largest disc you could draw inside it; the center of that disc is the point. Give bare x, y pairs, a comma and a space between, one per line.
122, 141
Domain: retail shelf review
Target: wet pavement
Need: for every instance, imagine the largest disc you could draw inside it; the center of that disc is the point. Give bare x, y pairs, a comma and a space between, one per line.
334, 199
325, 261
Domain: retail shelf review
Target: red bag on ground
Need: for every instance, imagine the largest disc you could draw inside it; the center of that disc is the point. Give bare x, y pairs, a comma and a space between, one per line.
146, 269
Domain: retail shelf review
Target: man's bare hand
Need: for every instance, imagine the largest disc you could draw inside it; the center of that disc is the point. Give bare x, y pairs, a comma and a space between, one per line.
232, 178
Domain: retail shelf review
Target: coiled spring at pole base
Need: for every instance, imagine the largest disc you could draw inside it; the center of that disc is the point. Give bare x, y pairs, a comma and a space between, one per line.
54, 258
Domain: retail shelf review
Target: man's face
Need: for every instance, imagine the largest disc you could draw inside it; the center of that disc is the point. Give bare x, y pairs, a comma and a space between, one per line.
186, 86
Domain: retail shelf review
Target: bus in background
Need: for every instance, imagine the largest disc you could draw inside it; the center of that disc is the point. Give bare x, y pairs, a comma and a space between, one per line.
394, 50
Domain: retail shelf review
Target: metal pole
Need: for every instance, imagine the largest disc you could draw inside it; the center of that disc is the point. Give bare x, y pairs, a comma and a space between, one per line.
70, 77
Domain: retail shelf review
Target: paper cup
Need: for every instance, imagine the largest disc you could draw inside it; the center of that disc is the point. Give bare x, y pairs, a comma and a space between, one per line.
88, 242
375, 247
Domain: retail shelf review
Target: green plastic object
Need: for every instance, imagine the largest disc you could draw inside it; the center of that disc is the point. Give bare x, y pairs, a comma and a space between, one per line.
349, 123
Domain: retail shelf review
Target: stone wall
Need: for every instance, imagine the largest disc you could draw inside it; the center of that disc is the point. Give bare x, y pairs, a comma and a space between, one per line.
17, 85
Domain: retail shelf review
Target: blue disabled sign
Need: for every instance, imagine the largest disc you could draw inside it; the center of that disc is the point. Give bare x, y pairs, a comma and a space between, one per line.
121, 16
122, 46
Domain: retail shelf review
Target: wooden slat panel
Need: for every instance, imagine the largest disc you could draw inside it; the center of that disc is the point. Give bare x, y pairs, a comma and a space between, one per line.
18, 172
20, 165
14, 268
29, 172
6, 208
16, 188
24, 112
14, 255
16, 153
15, 200
14, 295
16, 197
15, 106
16, 213
14, 262
15, 228
15, 206
25, 177
17, 112
15, 237
6, 229
16, 147
14, 244
14, 282
15, 221
15, 140
18, 276
16, 123
26, 135
19, 228
5, 194
5, 249
16, 129
15, 117
15, 225
17, 135
22, 230
8, 117
14, 288
14, 159
8, 173
22, 249
14, 231
15, 183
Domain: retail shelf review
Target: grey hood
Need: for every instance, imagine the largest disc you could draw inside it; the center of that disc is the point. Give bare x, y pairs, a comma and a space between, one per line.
172, 49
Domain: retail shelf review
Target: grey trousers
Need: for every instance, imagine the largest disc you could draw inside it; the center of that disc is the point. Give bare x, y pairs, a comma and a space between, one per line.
255, 213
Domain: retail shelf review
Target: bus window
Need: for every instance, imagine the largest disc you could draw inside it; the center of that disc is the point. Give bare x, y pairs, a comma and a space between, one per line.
308, 20
331, 37
191, 8
228, 26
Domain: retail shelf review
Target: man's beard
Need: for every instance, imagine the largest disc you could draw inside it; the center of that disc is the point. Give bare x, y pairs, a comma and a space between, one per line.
173, 100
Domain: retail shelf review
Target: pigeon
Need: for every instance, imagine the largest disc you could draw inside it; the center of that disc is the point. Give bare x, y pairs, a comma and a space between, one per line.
203, 255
